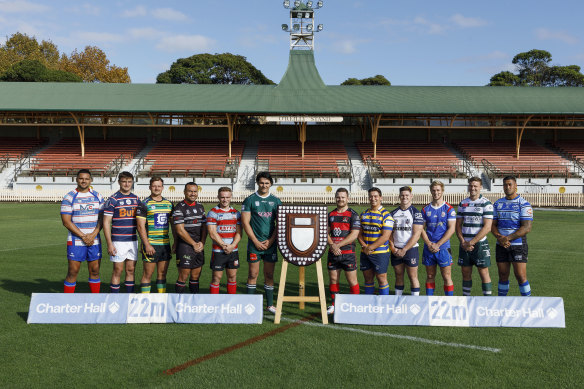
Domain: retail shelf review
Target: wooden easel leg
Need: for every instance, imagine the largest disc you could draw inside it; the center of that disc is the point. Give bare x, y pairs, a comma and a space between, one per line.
321, 292
281, 288
301, 285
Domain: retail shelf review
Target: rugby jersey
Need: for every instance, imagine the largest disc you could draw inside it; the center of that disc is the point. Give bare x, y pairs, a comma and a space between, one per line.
404, 221
437, 219
340, 226
472, 213
509, 214
264, 211
84, 208
122, 209
226, 222
373, 223
193, 218
157, 214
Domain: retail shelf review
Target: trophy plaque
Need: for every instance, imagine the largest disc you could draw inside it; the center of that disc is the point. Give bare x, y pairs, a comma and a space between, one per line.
302, 233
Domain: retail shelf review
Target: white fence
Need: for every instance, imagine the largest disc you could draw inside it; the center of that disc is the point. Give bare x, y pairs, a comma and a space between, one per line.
570, 200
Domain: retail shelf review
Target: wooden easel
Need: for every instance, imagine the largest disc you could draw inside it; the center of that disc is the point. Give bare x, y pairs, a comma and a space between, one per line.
301, 299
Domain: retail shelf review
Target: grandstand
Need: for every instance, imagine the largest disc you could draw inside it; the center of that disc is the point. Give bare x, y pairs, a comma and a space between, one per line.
13, 150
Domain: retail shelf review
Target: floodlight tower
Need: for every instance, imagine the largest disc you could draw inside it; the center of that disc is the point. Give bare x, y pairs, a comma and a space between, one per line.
302, 27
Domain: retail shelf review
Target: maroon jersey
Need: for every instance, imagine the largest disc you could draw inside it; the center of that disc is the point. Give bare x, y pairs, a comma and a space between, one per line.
340, 225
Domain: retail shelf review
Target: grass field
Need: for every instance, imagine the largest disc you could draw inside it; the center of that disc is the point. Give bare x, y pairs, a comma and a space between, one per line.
32, 259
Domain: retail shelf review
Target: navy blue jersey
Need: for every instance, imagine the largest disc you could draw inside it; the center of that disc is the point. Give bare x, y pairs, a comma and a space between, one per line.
403, 227
122, 209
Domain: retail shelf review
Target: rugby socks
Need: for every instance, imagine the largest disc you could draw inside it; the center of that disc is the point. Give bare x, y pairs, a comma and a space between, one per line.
415, 291
179, 287
269, 294
399, 290
370, 288
334, 289
384, 290
214, 288
161, 285
430, 286
145, 287
525, 289
487, 289
129, 286
251, 288
503, 288
94, 285
69, 287
194, 286
449, 290
466, 287
355, 289
231, 287
114, 288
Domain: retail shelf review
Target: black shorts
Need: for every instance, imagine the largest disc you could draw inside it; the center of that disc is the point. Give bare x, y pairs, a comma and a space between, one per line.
411, 258
162, 253
187, 258
517, 253
220, 260
346, 262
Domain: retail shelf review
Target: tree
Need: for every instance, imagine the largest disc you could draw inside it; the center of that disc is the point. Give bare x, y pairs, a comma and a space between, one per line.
32, 70
376, 80
534, 69
223, 68
92, 65
21, 46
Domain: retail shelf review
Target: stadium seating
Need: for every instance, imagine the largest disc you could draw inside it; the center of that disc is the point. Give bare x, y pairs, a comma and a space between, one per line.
571, 148
193, 157
407, 158
321, 159
13, 149
102, 157
500, 159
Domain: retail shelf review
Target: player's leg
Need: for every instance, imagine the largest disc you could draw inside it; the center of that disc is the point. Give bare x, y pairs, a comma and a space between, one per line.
161, 270
381, 262
334, 286
71, 278
486, 280
194, 279
351, 276
466, 280
252, 272
502, 257
411, 262
215, 281
269, 267
367, 268
446, 272
520, 270
181, 281
430, 279
232, 279
94, 281
130, 270
147, 271
217, 265
482, 258
399, 270
383, 284
118, 267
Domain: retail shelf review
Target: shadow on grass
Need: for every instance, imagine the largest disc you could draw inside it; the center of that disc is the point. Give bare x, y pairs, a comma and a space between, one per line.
38, 285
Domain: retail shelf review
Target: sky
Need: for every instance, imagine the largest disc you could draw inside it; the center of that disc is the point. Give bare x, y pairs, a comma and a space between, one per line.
410, 42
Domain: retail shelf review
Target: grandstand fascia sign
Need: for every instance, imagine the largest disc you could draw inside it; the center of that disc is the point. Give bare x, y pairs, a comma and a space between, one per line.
305, 118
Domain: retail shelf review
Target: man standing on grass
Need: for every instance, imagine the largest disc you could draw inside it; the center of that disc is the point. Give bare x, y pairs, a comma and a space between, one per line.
224, 228
473, 223
343, 229
440, 224
152, 217
407, 228
376, 228
259, 213
81, 214
189, 221
119, 230
512, 221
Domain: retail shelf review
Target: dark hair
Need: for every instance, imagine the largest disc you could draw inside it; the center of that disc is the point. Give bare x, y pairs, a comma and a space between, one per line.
342, 190
475, 179
406, 189
125, 175
81, 171
266, 175
510, 178
191, 183
156, 178
374, 189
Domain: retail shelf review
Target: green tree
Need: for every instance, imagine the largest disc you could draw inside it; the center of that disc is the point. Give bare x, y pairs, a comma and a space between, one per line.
223, 68
376, 80
92, 65
21, 46
32, 70
505, 79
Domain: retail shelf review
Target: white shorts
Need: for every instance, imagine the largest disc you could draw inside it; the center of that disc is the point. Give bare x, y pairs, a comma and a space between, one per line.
125, 250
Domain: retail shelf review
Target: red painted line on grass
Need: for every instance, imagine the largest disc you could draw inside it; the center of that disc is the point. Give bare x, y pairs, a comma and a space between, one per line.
237, 346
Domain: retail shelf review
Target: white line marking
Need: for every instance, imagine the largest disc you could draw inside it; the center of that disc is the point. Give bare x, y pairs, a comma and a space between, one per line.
33, 247
405, 337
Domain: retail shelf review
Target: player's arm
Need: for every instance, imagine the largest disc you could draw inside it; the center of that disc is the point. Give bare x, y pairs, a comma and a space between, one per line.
141, 227
384, 237
487, 224
349, 238
416, 231
246, 222
203, 235
67, 221
107, 233
361, 239
449, 232
236, 240
184, 235
214, 235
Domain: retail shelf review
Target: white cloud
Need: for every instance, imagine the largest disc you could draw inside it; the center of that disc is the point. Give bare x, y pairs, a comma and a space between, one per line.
546, 34
99, 37
135, 12
467, 22
169, 14
145, 33
431, 27
21, 7
346, 46
185, 43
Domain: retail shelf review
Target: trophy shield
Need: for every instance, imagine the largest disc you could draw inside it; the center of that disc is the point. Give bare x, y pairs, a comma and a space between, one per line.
302, 233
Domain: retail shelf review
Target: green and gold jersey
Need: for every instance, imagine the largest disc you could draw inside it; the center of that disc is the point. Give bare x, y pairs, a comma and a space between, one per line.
157, 215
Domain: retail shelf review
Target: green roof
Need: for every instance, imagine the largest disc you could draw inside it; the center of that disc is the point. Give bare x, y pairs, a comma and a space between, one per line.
301, 91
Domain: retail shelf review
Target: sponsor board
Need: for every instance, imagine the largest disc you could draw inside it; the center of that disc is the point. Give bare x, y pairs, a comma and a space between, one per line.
454, 311
88, 308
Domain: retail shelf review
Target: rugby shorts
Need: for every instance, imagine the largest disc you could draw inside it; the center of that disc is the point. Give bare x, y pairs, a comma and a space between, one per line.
346, 262
410, 259
378, 262
220, 260
84, 253
515, 253
188, 258
125, 250
442, 258
161, 253
480, 256
269, 255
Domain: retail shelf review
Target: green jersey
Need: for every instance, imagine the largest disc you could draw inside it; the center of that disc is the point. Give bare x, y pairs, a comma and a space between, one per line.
264, 211
157, 215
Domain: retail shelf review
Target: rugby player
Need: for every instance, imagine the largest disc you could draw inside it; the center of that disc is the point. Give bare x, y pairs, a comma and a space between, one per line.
153, 221
473, 223
343, 229
439, 223
408, 225
376, 228
224, 228
81, 214
189, 219
512, 220
258, 216
119, 230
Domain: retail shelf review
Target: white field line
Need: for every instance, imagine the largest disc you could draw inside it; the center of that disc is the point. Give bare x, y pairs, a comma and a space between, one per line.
404, 337
33, 247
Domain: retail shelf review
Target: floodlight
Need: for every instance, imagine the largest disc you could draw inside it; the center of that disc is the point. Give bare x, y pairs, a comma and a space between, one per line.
319, 4
284, 27
296, 27
309, 4
309, 27
287, 3
320, 27
307, 15
297, 3
299, 15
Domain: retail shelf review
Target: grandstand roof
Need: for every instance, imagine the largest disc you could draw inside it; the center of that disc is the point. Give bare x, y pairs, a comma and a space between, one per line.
301, 91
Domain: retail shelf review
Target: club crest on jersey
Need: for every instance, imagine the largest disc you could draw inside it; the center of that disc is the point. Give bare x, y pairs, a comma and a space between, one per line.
128, 201
443, 214
302, 233
429, 213
257, 203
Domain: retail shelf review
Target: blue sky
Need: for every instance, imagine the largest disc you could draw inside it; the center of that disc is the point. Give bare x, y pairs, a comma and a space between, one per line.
414, 42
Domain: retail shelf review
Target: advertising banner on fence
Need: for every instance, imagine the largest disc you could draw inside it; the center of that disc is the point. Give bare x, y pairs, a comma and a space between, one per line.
89, 308
455, 311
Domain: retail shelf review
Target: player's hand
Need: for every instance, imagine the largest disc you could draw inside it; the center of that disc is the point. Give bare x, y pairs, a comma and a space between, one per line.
400, 253
88, 239
263, 245
198, 247
227, 248
335, 249
434, 247
149, 249
504, 241
467, 246
112, 250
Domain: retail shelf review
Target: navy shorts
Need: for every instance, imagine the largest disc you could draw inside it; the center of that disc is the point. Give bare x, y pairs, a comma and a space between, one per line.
220, 260
188, 258
410, 259
377, 262
515, 253
346, 262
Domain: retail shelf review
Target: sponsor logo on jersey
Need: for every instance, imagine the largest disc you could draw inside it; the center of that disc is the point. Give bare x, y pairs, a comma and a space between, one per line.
128, 201
337, 231
265, 214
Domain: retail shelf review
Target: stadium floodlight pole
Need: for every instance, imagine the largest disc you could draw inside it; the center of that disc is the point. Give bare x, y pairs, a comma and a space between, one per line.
302, 26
